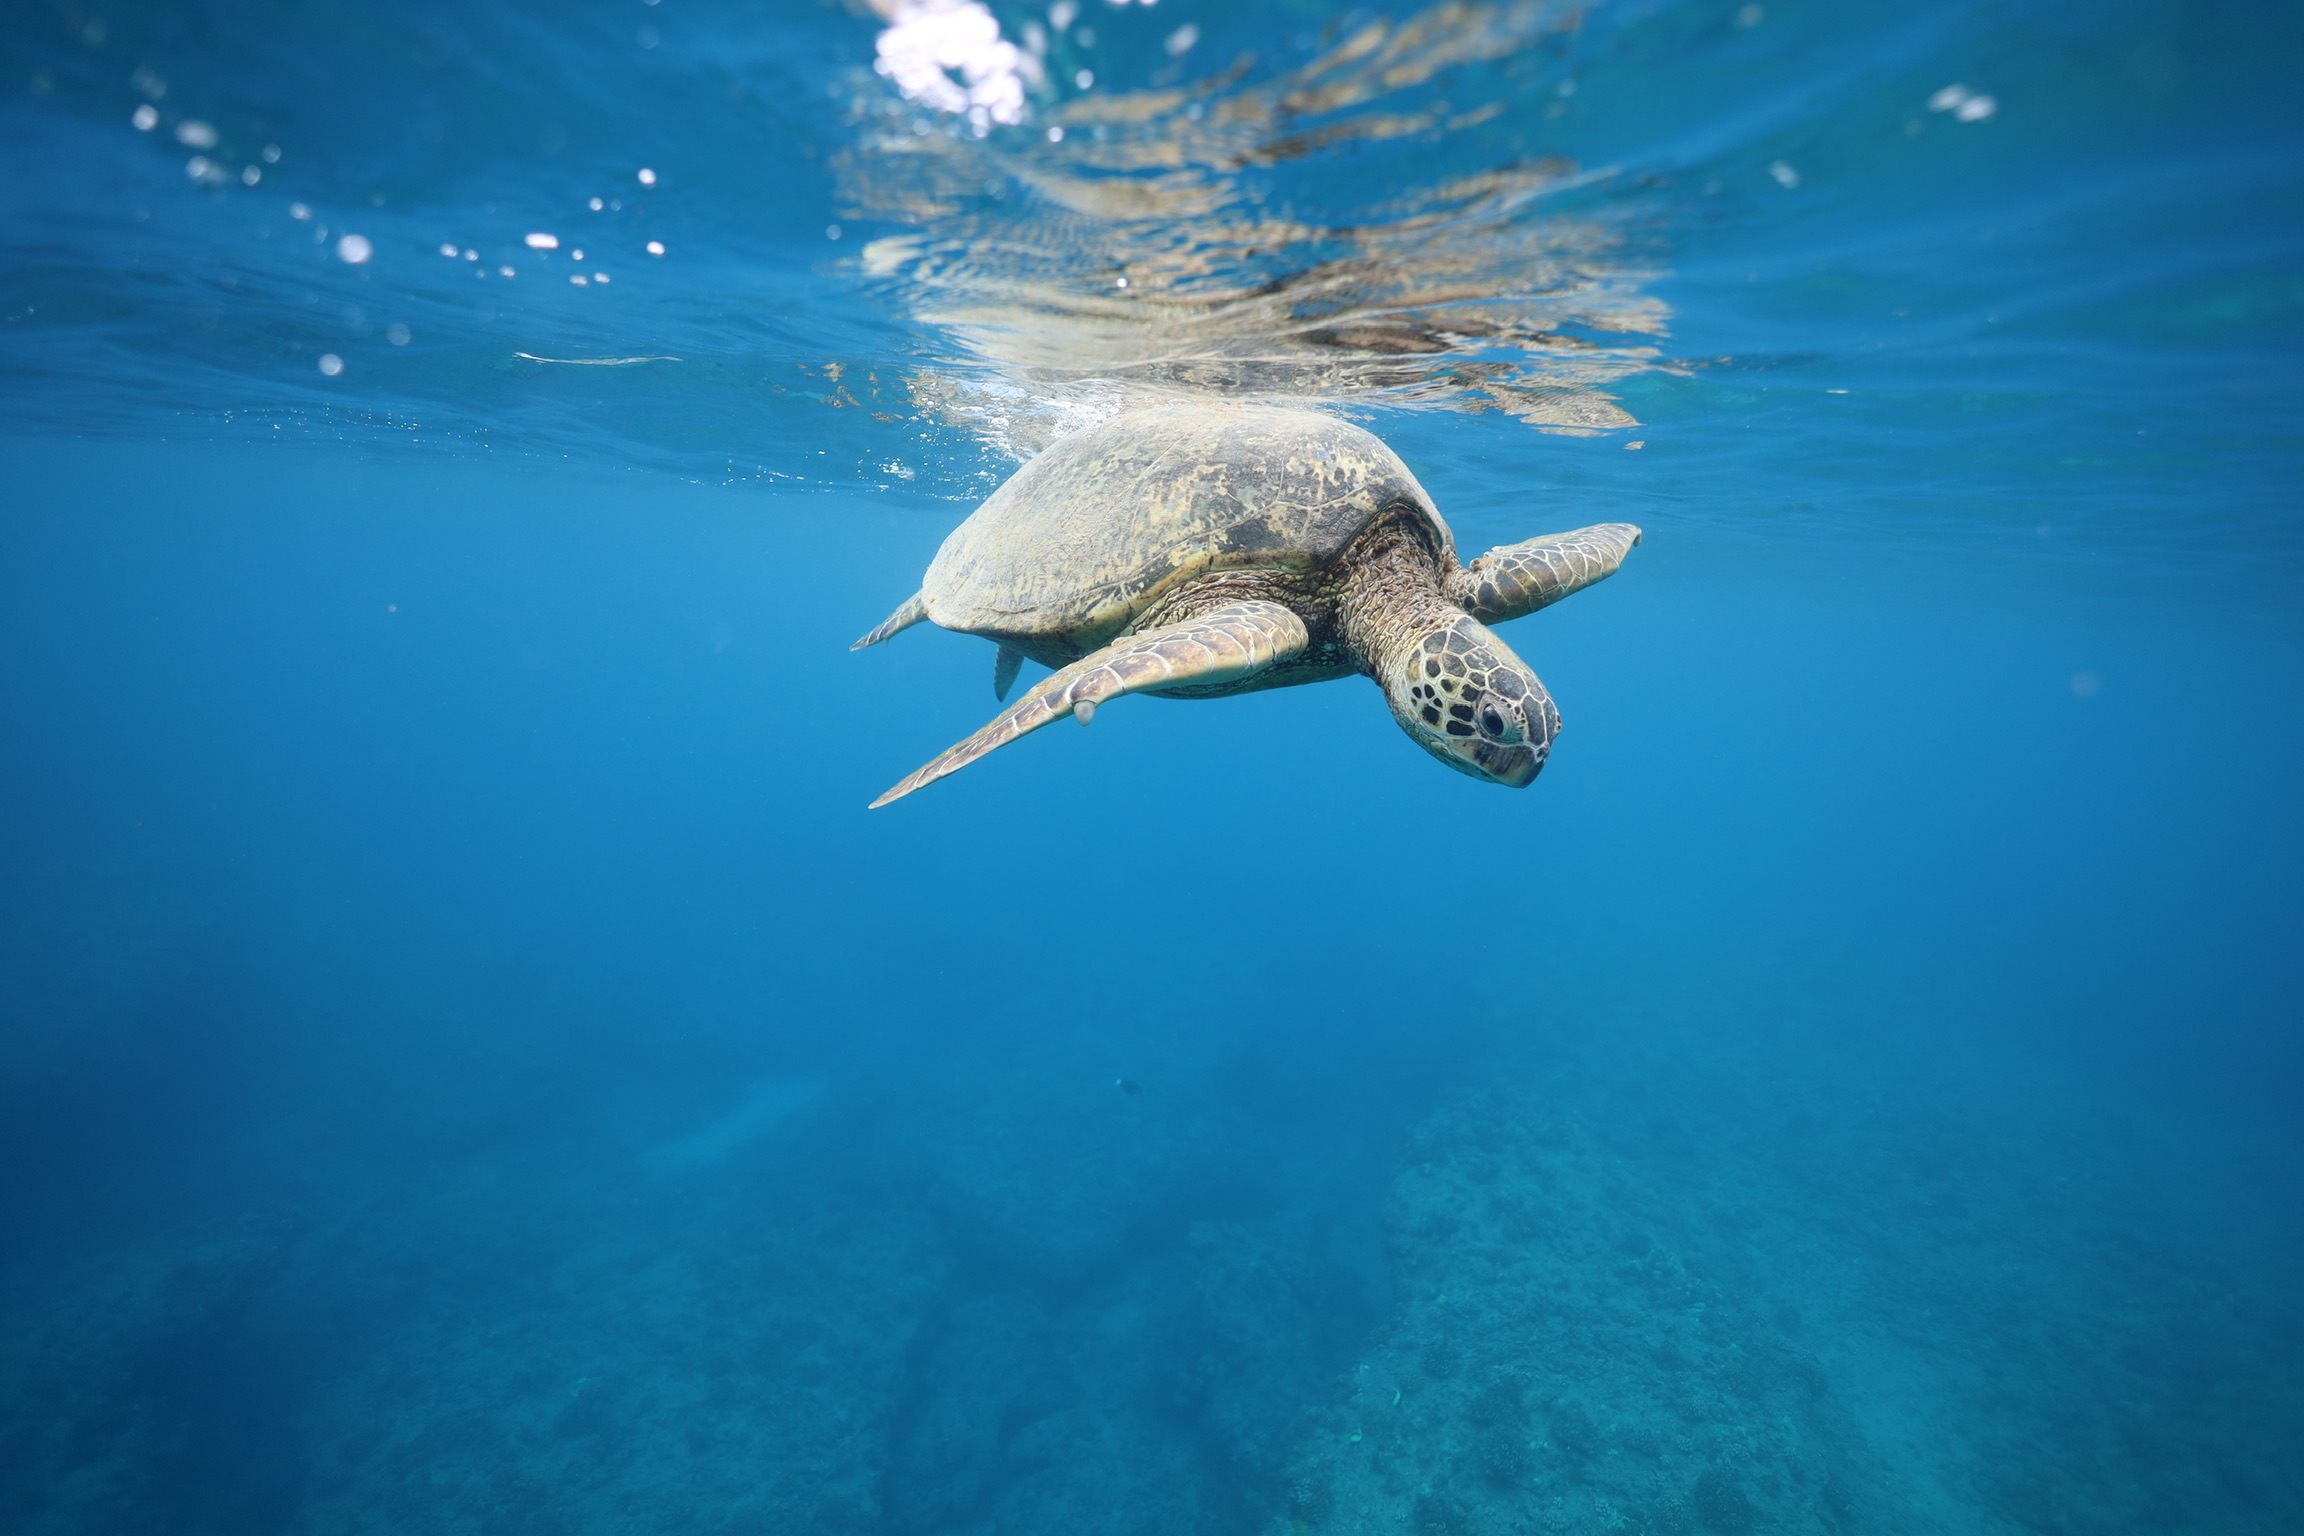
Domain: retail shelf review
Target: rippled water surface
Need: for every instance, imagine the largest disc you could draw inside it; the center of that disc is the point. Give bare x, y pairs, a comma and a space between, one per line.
469, 1062
2016, 228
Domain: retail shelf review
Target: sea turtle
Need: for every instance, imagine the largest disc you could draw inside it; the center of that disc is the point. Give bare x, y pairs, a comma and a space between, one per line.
1194, 551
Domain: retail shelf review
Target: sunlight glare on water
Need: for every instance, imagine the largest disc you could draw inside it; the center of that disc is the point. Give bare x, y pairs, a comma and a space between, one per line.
1145, 252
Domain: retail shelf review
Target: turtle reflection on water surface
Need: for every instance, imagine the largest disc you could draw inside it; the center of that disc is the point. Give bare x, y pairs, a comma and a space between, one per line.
1197, 551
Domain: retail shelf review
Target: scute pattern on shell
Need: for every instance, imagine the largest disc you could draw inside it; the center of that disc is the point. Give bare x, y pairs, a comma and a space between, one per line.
1091, 532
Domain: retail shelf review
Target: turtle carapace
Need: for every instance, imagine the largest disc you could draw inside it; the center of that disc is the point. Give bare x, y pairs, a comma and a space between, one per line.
1197, 551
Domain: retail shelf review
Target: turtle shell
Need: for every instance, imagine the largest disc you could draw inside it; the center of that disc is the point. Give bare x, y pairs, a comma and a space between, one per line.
1105, 522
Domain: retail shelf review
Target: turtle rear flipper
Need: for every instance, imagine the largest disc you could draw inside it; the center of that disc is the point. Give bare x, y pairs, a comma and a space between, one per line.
1005, 666
1230, 643
911, 611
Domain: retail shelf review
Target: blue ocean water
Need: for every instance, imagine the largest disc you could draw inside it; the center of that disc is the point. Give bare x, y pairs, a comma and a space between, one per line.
469, 1062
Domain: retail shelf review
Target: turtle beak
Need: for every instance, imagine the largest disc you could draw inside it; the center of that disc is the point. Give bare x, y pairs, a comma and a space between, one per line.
1515, 763
1515, 766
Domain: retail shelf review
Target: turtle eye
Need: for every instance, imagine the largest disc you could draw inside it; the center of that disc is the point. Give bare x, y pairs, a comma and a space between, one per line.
1501, 720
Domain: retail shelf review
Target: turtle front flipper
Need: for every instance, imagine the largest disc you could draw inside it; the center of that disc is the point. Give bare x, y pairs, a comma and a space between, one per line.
1005, 666
1518, 579
1222, 646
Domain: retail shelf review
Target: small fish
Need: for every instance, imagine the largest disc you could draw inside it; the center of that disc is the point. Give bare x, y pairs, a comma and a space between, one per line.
1128, 1086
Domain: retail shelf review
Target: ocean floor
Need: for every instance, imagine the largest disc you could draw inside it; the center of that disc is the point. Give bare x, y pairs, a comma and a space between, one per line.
1644, 1292
1644, 1282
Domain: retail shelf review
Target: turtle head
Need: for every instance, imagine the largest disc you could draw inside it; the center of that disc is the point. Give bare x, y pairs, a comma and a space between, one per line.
1462, 695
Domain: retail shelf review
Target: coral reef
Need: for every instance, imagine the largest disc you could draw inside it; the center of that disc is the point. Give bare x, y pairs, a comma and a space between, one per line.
1654, 1292
1555, 1366
1806, 1287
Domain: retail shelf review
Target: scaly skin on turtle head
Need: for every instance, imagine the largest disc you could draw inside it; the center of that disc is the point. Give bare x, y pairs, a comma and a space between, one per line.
1462, 696
1456, 689
1452, 685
